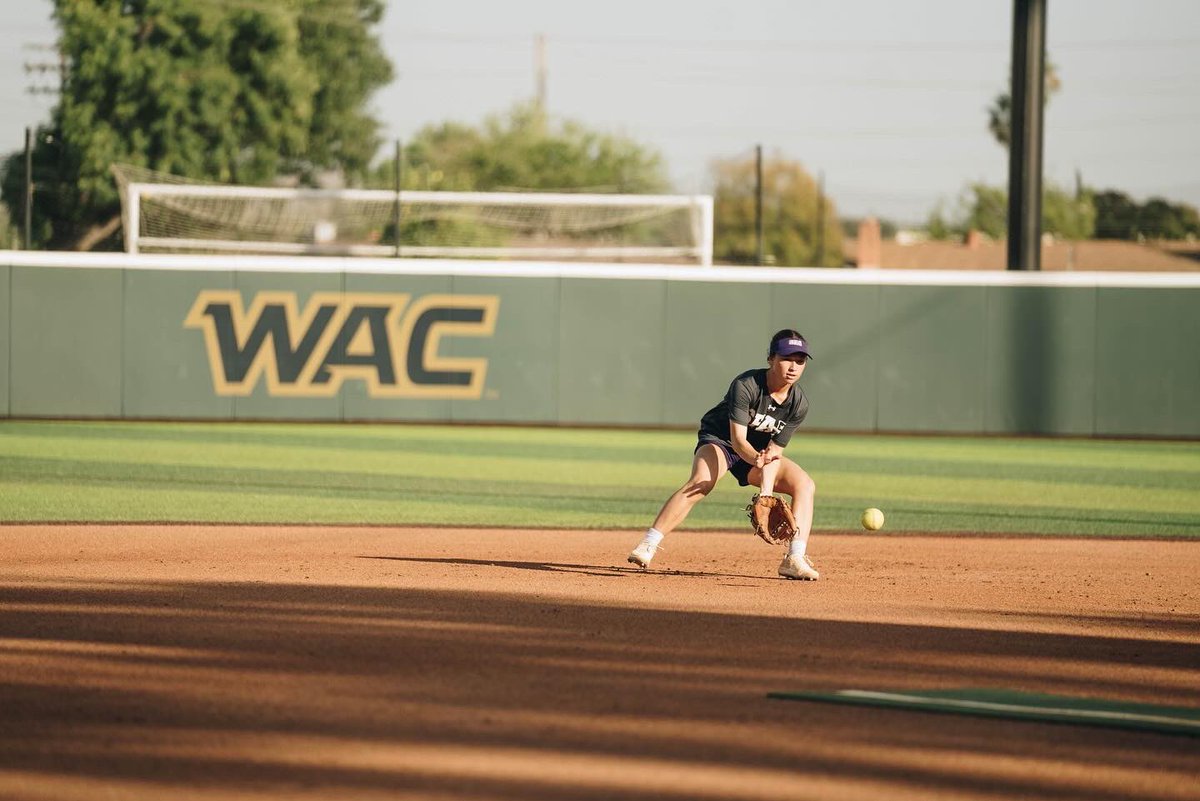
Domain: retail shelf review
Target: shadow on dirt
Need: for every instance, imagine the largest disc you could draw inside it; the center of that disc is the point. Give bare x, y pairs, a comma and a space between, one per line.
347, 692
556, 567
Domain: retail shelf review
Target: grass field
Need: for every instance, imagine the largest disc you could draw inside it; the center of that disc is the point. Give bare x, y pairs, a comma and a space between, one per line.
538, 477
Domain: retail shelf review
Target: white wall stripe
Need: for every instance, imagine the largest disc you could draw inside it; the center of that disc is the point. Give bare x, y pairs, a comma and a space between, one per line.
650, 272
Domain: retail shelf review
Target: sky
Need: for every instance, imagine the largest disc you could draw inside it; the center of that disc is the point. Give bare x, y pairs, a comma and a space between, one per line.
887, 100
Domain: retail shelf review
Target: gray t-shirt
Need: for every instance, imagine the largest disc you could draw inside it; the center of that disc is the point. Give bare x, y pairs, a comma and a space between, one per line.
748, 402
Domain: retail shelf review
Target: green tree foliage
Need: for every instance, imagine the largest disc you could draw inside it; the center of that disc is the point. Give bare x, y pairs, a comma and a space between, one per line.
521, 149
1118, 216
336, 42
232, 92
1068, 215
984, 208
9, 237
790, 210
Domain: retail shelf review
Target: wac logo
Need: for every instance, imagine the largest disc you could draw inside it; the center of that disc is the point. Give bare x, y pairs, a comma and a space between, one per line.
391, 342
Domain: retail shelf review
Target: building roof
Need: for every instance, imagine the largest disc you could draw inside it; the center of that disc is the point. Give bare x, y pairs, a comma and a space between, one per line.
1091, 255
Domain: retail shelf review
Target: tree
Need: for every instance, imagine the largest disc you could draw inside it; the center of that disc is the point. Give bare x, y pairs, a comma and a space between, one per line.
791, 235
1116, 215
335, 40
1068, 215
1160, 219
1120, 217
238, 93
522, 149
1000, 112
8, 232
984, 208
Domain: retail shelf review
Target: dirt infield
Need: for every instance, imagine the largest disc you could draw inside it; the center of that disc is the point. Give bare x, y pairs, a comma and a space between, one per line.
143, 662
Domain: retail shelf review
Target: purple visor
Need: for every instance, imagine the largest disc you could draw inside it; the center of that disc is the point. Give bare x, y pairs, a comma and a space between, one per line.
791, 346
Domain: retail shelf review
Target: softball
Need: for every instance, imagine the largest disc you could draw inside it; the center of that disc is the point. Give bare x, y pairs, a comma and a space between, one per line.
872, 519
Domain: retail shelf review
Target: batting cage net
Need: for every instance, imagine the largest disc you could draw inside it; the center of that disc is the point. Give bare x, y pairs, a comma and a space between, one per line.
163, 213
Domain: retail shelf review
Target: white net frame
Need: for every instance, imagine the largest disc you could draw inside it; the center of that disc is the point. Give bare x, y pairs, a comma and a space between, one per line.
205, 218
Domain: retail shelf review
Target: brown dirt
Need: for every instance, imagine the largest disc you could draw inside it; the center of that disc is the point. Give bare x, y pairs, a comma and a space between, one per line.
143, 662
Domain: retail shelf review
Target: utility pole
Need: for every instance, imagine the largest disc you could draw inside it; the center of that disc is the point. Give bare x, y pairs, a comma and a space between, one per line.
539, 67
1025, 149
758, 205
43, 68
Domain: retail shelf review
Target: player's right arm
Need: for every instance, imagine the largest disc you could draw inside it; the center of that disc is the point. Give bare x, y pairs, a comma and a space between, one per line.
741, 444
738, 401
737, 437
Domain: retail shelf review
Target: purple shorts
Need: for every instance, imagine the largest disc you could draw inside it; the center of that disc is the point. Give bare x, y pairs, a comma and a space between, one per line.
739, 468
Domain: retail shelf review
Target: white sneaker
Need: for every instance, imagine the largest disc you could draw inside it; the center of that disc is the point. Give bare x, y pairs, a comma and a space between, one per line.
798, 567
642, 554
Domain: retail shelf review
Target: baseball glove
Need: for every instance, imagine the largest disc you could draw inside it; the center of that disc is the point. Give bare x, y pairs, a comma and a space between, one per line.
772, 519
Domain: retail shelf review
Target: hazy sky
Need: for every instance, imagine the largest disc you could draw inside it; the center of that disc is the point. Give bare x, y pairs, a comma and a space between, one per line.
887, 98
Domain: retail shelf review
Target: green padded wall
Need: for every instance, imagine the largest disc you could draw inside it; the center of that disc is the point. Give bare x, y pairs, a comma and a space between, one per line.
522, 354
5, 340
167, 372
611, 351
712, 332
1040, 357
1147, 363
932, 371
555, 349
66, 342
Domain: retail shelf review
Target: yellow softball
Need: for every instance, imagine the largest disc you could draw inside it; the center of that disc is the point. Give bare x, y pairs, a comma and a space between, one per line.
872, 519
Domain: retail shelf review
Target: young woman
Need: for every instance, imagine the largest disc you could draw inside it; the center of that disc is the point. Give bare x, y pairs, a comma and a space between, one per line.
745, 435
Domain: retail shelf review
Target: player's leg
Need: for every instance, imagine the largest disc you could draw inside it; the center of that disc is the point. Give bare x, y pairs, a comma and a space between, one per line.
794, 481
791, 479
708, 465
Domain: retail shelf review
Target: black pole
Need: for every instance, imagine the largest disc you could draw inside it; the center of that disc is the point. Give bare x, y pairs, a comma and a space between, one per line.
399, 172
820, 218
1025, 149
758, 205
28, 243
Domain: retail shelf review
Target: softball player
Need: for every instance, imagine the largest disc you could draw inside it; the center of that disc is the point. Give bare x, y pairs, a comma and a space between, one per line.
745, 435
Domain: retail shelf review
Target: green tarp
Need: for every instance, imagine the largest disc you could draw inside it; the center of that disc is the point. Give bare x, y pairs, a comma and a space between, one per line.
1021, 706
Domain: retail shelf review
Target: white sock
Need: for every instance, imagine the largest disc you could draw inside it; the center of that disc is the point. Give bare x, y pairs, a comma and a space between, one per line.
653, 537
797, 547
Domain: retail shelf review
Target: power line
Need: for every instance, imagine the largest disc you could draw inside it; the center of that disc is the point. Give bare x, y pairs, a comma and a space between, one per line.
791, 45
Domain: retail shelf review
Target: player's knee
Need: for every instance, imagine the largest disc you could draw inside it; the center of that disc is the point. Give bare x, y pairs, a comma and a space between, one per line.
698, 488
805, 485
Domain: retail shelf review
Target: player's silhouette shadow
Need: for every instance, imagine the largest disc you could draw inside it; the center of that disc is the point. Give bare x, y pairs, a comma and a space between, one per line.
604, 571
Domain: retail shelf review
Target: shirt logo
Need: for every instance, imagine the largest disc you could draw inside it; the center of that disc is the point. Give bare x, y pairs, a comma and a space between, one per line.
766, 423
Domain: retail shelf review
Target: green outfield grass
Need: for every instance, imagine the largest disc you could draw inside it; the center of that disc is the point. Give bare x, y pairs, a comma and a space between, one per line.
539, 477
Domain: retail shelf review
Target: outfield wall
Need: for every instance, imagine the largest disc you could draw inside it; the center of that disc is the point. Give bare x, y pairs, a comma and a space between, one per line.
198, 337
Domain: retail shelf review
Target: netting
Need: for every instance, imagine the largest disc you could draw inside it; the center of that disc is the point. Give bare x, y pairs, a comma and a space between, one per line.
166, 214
